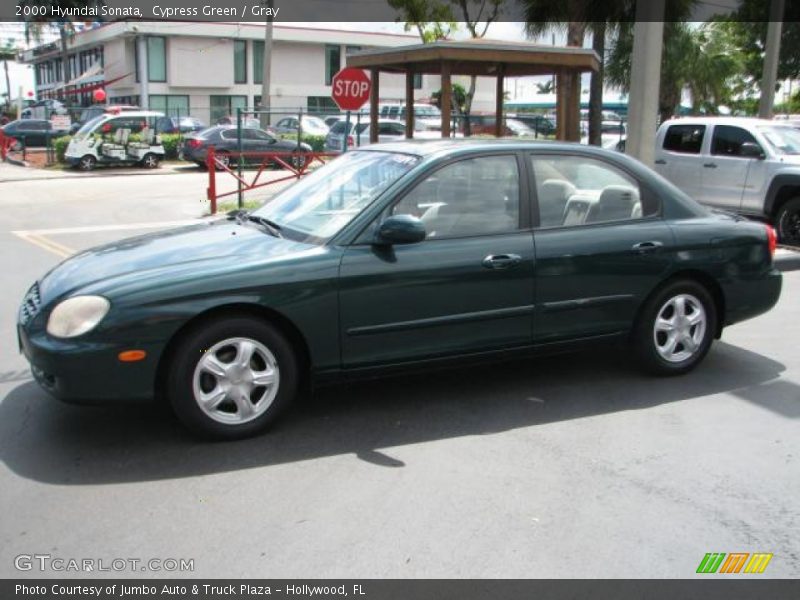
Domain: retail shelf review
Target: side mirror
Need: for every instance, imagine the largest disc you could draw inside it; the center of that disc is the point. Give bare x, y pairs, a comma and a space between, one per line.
400, 229
752, 150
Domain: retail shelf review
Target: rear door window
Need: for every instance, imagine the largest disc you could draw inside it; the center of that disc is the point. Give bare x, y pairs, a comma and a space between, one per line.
685, 139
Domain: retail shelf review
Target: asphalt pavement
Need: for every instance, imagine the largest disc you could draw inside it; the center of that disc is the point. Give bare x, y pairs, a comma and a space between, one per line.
569, 466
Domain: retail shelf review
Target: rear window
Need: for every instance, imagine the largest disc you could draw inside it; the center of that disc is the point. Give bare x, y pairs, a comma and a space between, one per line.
340, 127
686, 139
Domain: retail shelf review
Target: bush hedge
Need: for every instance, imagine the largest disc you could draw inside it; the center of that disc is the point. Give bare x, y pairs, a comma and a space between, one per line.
317, 142
60, 145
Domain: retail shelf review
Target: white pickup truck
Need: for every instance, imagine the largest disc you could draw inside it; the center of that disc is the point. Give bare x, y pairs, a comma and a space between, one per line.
750, 166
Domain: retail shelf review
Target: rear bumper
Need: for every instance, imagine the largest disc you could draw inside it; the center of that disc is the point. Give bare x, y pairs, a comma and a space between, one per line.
750, 298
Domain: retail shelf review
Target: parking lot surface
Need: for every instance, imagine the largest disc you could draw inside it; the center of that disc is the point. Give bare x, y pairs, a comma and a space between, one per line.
568, 466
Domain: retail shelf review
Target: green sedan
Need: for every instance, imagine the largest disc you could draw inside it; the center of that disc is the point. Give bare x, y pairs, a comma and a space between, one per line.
400, 256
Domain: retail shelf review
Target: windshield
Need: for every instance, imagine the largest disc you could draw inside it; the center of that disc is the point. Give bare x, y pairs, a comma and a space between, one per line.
314, 123
318, 206
87, 127
783, 140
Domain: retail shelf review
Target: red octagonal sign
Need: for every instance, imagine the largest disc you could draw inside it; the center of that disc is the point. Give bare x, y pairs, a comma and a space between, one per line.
350, 88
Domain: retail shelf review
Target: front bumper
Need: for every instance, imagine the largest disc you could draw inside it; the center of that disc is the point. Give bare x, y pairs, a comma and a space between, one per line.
88, 372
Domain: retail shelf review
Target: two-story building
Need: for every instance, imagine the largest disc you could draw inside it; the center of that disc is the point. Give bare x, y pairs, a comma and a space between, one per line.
209, 70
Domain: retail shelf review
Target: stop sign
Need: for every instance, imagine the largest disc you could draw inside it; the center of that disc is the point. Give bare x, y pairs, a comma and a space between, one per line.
350, 88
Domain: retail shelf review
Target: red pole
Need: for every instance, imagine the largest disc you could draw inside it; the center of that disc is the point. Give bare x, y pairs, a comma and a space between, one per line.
212, 179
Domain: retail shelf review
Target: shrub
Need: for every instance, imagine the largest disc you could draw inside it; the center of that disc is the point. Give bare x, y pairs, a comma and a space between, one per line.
60, 145
317, 142
171, 143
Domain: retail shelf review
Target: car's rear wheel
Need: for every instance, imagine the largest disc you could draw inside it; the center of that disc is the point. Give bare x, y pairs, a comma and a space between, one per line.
675, 328
232, 377
787, 222
87, 163
151, 161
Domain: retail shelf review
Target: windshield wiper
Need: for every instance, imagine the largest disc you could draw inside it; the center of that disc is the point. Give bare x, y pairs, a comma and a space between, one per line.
271, 226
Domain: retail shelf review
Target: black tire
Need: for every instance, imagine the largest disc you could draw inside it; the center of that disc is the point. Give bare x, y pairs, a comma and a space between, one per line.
298, 159
649, 346
87, 163
151, 161
183, 374
202, 165
787, 222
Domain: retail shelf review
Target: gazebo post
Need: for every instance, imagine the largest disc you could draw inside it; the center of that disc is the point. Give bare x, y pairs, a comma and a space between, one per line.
561, 108
498, 104
410, 102
573, 133
447, 93
374, 94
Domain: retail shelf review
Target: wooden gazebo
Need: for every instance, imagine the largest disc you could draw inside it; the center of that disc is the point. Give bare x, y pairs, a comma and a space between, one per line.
482, 58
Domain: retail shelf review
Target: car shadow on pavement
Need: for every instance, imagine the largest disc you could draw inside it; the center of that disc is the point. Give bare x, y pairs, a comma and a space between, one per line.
47, 441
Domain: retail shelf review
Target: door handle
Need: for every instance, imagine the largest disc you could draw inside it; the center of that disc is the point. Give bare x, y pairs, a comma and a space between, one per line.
661, 161
501, 261
644, 247
710, 165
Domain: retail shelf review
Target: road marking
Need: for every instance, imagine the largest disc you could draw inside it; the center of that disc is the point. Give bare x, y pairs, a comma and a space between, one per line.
42, 242
122, 227
37, 236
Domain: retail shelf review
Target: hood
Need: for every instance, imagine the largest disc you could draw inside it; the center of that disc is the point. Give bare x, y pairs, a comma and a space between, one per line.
194, 250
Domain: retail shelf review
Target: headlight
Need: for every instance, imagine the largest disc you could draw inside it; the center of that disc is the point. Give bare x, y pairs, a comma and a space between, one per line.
77, 315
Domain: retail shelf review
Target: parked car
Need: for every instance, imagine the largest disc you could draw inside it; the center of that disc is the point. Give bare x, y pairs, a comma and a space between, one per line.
426, 116
331, 119
32, 132
44, 109
250, 122
399, 255
180, 125
540, 124
751, 166
485, 125
90, 112
225, 140
311, 125
358, 135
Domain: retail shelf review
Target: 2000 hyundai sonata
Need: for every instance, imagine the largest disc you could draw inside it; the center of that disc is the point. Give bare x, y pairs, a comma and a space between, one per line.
400, 255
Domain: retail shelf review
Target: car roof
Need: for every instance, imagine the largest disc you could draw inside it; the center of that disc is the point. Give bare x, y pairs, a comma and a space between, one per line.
739, 121
428, 147
132, 113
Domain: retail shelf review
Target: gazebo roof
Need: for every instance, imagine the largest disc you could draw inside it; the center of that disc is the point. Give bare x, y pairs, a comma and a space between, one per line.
478, 57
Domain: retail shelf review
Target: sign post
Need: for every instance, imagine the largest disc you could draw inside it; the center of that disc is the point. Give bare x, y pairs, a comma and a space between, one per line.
350, 90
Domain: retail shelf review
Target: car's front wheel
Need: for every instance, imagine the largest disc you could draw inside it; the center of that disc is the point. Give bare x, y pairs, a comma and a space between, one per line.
232, 377
675, 328
787, 222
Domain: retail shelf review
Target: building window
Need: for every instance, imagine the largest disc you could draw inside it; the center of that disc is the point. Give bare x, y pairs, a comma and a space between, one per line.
322, 105
333, 62
417, 81
129, 100
170, 104
223, 106
156, 59
239, 61
348, 50
258, 61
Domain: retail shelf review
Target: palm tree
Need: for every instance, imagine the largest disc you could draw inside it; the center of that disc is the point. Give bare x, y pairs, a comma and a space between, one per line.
7, 53
578, 17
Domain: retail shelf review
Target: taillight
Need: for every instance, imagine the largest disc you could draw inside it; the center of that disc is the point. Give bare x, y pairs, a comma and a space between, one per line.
193, 143
772, 240
350, 141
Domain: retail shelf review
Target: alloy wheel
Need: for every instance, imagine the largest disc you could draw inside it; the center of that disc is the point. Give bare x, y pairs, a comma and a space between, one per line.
680, 328
236, 380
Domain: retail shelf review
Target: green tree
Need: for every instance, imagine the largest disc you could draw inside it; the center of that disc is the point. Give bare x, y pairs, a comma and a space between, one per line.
704, 60
436, 19
459, 97
748, 28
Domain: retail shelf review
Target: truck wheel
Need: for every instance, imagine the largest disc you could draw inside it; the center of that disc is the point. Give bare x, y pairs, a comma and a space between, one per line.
150, 161
787, 222
87, 163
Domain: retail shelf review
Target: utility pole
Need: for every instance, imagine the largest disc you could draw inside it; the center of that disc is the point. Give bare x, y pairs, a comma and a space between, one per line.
266, 73
648, 40
771, 56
